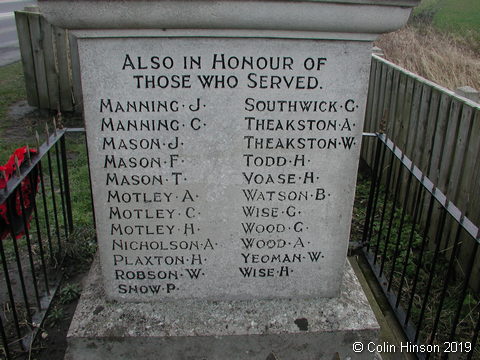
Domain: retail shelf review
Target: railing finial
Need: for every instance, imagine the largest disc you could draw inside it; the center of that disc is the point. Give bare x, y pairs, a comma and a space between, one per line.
28, 155
54, 126
37, 139
17, 167
47, 133
4, 175
59, 118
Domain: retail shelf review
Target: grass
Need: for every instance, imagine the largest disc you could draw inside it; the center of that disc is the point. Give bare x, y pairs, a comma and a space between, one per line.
69, 293
55, 315
79, 183
461, 17
12, 89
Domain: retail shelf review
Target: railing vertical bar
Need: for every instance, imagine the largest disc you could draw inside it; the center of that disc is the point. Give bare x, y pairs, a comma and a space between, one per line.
400, 231
438, 240
19, 264
62, 194
420, 258
54, 202
384, 208
464, 289
446, 281
366, 226
418, 201
378, 187
45, 210
368, 112
90, 183
392, 216
4, 339
39, 239
474, 339
29, 248
66, 183
10, 290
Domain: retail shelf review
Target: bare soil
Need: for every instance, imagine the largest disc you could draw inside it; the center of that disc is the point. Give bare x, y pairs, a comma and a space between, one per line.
51, 343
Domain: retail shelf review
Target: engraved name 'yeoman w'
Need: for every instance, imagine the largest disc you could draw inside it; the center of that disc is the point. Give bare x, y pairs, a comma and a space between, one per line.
313, 256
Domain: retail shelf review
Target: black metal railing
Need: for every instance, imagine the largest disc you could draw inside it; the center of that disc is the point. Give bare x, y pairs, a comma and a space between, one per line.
417, 262
31, 255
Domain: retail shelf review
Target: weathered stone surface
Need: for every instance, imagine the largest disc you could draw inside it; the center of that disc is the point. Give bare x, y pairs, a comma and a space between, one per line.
214, 330
224, 141
223, 161
328, 16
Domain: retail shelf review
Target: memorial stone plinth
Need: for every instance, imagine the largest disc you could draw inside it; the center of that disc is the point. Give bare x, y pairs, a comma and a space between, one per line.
223, 140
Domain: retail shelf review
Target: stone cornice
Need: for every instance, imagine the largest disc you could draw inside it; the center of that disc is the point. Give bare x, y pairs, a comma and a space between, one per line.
346, 16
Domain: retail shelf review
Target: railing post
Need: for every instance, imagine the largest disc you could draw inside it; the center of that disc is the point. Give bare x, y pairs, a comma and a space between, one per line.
469, 93
66, 183
4, 340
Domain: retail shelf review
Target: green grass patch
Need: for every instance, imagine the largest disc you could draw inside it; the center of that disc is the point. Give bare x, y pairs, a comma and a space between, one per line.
460, 17
12, 88
79, 180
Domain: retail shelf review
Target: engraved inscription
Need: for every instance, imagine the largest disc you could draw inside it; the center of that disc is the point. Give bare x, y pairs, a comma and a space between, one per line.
222, 168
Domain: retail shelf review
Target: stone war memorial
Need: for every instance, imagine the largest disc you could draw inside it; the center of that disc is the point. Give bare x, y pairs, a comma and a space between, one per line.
223, 141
